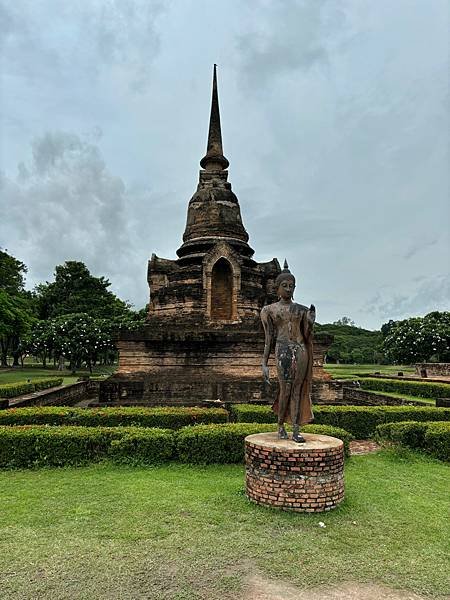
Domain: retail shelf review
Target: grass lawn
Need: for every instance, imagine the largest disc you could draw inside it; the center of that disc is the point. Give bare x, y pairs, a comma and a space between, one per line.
189, 533
28, 372
351, 371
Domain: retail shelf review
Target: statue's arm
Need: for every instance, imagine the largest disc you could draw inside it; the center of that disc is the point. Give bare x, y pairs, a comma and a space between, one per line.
309, 318
267, 322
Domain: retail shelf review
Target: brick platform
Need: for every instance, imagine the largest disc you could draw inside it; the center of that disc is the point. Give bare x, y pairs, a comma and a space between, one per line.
299, 477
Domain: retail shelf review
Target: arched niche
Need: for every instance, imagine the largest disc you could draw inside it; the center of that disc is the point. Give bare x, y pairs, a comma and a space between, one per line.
222, 291
221, 282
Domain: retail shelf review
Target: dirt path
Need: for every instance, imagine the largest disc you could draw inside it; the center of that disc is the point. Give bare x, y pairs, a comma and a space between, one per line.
363, 447
260, 588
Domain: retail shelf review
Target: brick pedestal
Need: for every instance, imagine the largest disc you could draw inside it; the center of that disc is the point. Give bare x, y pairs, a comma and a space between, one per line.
299, 477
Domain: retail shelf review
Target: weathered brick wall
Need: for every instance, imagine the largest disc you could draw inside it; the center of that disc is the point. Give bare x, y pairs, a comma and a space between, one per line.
301, 479
65, 395
433, 369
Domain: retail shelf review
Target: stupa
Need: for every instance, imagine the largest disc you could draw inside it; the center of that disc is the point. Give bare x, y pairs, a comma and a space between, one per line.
203, 339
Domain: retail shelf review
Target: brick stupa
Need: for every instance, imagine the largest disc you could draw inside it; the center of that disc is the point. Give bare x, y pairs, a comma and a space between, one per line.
203, 340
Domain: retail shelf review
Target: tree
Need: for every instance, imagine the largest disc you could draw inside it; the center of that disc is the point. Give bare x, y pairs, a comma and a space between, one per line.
16, 307
418, 339
12, 273
78, 338
16, 320
75, 290
352, 344
345, 321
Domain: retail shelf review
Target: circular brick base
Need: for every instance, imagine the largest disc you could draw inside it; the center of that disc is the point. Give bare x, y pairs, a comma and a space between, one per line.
300, 477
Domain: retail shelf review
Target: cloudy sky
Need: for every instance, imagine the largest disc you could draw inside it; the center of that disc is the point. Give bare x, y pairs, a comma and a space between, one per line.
334, 118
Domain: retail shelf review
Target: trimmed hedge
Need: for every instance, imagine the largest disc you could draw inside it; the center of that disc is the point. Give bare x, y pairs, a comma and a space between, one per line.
43, 446
165, 417
422, 389
28, 446
10, 390
433, 436
360, 421
144, 446
208, 444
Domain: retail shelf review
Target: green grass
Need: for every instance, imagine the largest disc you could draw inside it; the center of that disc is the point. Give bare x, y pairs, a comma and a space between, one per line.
184, 532
352, 371
37, 372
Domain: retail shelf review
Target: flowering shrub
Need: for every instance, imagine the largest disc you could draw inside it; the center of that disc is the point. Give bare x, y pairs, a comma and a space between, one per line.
418, 339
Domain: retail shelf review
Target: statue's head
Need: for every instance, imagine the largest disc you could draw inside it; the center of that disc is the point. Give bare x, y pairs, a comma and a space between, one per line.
285, 283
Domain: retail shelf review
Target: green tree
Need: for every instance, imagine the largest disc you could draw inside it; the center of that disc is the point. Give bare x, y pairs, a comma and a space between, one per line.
352, 344
75, 290
12, 274
418, 339
16, 320
344, 321
16, 308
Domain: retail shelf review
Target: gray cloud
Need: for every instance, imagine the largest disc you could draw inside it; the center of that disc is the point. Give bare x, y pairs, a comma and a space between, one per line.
334, 119
418, 247
67, 205
281, 37
433, 293
81, 38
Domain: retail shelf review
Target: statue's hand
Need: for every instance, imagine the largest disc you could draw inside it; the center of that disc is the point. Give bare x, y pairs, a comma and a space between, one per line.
312, 314
265, 370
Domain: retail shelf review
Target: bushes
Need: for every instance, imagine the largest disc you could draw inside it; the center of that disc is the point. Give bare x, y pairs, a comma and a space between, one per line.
27, 446
165, 417
437, 440
360, 421
422, 389
252, 413
144, 446
207, 444
433, 437
39, 446
10, 390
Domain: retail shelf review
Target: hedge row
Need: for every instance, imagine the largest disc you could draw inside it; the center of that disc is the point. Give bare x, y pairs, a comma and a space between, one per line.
165, 417
42, 445
433, 437
206, 444
10, 390
422, 389
360, 421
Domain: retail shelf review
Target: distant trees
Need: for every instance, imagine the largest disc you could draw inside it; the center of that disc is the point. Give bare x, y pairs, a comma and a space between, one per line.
16, 308
352, 344
418, 339
344, 321
76, 290
72, 318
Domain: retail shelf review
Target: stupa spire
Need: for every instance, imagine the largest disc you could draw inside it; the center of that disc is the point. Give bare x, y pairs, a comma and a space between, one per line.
214, 160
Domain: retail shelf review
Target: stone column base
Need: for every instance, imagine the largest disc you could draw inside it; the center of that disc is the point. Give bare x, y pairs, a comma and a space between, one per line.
299, 477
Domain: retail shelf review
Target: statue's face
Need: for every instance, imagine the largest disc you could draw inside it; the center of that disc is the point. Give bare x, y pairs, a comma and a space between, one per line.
286, 289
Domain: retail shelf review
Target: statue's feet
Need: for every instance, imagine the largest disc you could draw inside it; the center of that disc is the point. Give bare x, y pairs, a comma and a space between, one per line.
282, 433
297, 437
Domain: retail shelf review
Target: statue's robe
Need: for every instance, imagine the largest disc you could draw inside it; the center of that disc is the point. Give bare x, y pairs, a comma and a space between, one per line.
294, 364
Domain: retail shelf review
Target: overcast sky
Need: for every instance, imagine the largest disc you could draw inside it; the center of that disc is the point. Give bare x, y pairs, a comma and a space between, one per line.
335, 120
